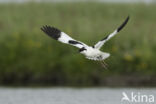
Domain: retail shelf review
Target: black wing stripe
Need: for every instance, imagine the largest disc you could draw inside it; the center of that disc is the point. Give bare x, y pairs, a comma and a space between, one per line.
105, 38
74, 42
51, 31
125, 22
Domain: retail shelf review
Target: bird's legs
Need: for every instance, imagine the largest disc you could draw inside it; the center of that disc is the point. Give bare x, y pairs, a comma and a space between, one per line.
104, 65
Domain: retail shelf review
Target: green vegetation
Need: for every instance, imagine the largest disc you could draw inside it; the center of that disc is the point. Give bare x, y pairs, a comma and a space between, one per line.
28, 56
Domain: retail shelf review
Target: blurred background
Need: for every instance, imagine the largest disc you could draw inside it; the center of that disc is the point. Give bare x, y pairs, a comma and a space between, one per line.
30, 58
34, 69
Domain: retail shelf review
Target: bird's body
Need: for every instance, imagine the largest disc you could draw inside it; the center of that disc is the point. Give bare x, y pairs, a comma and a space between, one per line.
94, 54
90, 52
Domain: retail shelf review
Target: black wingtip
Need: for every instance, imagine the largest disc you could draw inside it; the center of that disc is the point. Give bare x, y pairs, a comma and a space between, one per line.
51, 31
124, 23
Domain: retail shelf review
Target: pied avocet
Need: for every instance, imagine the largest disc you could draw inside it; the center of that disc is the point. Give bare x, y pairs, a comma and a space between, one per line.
91, 52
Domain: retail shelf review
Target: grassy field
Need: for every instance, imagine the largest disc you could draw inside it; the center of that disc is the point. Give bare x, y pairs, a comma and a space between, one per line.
28, 56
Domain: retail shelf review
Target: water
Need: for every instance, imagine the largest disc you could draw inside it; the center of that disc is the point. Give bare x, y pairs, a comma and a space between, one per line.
69, 95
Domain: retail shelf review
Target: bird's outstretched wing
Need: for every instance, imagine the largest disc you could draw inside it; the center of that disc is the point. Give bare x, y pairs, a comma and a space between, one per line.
61, 36
101, 43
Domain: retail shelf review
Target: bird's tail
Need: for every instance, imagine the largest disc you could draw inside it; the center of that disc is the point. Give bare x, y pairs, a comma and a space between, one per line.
105, 55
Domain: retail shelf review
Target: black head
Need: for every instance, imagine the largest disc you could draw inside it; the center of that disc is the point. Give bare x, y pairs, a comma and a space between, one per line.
82, 49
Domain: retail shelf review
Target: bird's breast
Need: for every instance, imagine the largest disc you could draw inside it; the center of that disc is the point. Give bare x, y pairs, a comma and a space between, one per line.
92, 52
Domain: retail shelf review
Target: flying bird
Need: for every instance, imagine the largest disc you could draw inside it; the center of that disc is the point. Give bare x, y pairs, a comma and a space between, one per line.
90, 52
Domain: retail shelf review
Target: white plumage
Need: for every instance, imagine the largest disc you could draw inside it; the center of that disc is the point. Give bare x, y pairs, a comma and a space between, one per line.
90, 52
